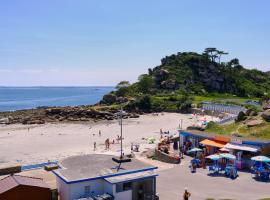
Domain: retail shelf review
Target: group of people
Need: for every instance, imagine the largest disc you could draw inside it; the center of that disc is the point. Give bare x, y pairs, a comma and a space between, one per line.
107, 141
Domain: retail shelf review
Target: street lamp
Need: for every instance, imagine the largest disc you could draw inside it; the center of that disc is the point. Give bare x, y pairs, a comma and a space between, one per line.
121, 159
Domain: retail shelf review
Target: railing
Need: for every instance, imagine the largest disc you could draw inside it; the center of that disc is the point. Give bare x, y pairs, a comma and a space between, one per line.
233, 109
225, 120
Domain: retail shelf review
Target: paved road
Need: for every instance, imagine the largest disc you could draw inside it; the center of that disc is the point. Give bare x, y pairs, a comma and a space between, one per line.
171, 184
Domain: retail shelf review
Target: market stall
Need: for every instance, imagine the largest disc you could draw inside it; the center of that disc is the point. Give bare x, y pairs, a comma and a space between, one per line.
243, 154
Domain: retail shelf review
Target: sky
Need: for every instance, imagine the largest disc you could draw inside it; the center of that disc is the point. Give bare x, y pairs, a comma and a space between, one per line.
101, 42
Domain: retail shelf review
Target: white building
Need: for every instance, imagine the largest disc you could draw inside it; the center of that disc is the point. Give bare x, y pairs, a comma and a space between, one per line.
89, 176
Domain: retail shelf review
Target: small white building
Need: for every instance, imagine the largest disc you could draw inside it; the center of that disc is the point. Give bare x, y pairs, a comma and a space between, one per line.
91, 176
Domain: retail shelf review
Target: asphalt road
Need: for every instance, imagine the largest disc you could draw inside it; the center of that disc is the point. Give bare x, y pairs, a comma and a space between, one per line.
171, 184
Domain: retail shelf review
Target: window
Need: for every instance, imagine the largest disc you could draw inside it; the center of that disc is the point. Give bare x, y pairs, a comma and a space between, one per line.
127, 186
87, 190
121, 187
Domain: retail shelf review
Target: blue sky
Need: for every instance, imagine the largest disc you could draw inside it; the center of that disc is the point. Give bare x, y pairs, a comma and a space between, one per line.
99, 42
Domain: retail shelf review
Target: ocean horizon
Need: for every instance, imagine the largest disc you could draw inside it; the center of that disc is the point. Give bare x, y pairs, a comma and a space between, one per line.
14, 98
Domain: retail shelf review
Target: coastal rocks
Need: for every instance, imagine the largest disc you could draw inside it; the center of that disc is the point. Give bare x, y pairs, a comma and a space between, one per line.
4, 120
241, 117
62, 114
266, 115
266, 105
33, 121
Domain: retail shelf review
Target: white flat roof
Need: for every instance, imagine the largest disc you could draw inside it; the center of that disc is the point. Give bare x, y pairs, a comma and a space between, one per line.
96, 166
130, 177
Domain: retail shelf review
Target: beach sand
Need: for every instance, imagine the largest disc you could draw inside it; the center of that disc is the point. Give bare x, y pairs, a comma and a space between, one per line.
27, 144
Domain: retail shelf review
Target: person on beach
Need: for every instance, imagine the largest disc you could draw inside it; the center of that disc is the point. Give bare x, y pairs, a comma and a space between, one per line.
99, 133
95, 146
186, 195
107, 144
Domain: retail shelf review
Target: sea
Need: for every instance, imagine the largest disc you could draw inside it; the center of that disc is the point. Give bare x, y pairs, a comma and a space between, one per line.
18, 98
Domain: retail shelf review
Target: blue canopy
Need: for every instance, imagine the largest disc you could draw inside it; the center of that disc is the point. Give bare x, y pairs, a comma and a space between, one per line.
228, 156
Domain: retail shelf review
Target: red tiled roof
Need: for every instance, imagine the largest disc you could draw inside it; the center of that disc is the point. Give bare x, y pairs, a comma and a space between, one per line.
15, 180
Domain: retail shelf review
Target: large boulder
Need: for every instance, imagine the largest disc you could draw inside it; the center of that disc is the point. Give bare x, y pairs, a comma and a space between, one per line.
241, 117
266, 115
170, 84
266, 105
255, 122
53, 111
251, 112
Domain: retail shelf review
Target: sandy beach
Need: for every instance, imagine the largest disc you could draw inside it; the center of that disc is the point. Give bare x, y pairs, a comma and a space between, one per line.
27, 144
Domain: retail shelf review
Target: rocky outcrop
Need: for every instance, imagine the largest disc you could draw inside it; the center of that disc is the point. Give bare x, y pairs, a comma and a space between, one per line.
255, 122
266, 115
62, 114
251, 112
241, 117
266, 105
170, 84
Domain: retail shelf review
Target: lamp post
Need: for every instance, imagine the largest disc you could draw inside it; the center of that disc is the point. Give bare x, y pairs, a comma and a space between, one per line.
120, 115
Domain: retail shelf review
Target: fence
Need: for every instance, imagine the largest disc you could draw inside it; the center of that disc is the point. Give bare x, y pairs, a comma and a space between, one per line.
223, 108
227, 119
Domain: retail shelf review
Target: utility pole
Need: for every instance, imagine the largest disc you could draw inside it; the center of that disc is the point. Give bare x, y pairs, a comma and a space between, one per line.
121, 125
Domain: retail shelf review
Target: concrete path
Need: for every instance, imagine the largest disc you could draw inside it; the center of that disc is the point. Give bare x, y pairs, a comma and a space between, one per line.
171, 184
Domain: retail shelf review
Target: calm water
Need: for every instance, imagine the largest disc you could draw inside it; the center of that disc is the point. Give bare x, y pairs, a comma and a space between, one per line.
16, 98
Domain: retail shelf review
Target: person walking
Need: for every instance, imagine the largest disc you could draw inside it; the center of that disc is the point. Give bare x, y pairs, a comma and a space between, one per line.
99, 133
95, 146
186, 195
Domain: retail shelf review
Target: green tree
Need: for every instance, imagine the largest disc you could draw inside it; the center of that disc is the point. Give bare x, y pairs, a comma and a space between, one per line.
220, 53
184, 102
123, 88
145, 83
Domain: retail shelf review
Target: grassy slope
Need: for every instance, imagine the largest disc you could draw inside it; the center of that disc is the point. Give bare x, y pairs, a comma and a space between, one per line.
262, 131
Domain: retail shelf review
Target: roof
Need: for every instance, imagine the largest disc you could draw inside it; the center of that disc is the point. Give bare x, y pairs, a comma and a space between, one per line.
129, 177
208, 135
96, 166
213, 143
242, 147
15, 180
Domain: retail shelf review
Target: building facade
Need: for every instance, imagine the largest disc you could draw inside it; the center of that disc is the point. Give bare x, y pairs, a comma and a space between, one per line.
98, 175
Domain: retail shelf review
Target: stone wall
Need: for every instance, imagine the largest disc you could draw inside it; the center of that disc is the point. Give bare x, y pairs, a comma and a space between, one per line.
163, 157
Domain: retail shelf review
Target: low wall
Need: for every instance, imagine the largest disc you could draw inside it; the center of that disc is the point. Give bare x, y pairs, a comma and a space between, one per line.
10, 170
163, 157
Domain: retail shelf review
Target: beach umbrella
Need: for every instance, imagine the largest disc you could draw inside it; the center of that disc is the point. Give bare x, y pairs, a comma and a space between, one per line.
214, 157
261, 159
228, 156
194, 150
